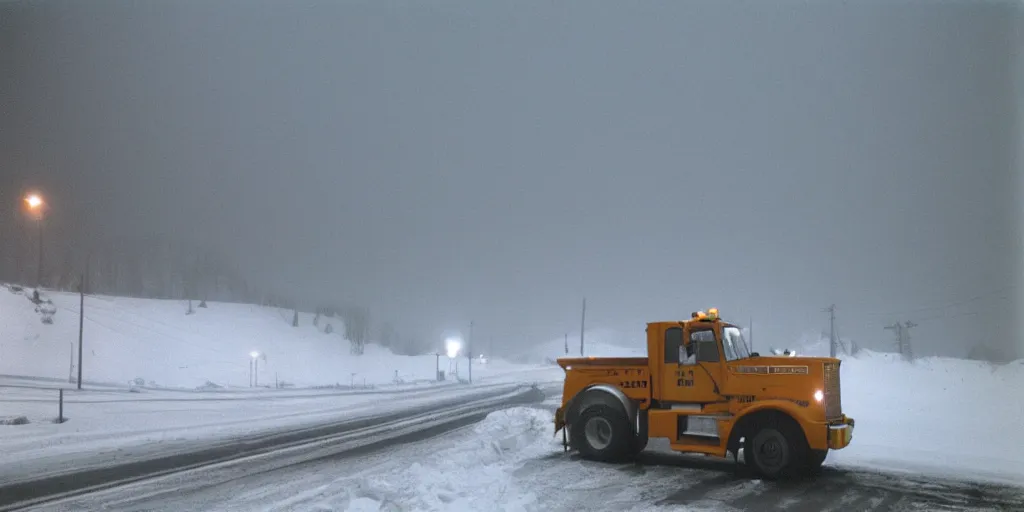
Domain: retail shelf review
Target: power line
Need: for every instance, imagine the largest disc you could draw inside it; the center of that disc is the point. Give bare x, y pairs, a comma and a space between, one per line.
950, 304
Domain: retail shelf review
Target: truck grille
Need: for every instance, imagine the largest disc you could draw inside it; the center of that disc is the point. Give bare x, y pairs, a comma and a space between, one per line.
833, 400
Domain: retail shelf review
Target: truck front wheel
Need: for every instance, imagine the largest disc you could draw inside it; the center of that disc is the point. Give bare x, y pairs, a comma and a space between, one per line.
776, 448
602, 433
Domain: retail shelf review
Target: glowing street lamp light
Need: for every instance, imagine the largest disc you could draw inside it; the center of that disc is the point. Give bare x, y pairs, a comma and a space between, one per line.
452, 347
35, 205
34, 201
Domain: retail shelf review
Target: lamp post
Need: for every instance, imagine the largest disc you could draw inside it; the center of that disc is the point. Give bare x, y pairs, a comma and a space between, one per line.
452, 347
255, 368
35, 205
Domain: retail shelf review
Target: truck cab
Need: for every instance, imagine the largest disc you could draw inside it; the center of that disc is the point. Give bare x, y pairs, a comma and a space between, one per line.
701, 388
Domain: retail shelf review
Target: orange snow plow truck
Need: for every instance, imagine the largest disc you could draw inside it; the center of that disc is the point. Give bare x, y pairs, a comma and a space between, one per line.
702, 389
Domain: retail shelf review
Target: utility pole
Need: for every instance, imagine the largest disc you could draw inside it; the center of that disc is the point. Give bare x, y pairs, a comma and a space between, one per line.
469, 351
583, 324
831, 310
902, 337
39, 266
566, 343
906, 339
898, 329
81, 320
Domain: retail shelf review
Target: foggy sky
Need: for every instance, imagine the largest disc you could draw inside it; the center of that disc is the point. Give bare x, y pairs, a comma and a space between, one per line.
451, 161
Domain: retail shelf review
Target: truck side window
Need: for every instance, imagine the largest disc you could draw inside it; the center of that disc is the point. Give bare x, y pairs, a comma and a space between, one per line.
673, 342
707, 348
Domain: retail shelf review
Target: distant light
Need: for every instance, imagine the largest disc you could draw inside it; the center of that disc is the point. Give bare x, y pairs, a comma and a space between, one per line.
452, 346
254, 354
34, 201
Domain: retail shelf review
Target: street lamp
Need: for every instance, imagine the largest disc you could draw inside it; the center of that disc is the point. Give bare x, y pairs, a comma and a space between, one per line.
254, 368
35, 205
452, 346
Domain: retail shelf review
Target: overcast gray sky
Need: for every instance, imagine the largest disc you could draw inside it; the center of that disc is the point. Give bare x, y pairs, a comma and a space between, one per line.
447, 161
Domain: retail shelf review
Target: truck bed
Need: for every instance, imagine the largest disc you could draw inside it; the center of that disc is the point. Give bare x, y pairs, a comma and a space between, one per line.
576, 362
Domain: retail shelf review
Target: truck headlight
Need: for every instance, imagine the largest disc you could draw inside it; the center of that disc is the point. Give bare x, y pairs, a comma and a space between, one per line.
819, 396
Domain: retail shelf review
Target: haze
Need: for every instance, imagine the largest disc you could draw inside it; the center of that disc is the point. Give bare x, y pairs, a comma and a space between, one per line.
496, 162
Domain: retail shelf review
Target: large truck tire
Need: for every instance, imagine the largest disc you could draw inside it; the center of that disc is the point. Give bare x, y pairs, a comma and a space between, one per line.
776, 448
603, 433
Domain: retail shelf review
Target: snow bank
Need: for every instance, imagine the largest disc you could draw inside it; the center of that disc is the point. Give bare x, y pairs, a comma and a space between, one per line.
155, 342
471, 474
938, 416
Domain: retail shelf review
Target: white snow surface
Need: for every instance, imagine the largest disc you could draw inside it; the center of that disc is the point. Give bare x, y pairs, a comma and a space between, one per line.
471, 473
933, 416
905, 423
936, 416
155, 341
196, 371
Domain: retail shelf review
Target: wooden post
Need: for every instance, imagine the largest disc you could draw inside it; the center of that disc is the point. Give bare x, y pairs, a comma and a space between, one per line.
81, 321
469, 352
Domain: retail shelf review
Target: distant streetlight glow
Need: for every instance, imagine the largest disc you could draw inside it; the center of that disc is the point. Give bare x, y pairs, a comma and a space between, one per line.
35, 205
452, 347
254, 354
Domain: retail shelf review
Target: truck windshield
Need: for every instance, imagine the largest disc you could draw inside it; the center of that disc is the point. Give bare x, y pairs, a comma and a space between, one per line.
734, 345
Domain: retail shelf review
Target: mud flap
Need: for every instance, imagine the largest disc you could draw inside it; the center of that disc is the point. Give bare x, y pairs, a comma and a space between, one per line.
560, 425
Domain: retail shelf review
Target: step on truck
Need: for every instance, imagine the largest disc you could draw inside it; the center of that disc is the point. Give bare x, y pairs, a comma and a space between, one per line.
702, 389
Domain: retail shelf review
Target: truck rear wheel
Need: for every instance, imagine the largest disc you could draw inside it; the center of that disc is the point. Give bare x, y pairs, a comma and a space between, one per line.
602, 433
776, 448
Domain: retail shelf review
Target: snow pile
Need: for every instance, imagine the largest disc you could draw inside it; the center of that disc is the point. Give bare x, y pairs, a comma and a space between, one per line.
156, 343
471, 474
934, 415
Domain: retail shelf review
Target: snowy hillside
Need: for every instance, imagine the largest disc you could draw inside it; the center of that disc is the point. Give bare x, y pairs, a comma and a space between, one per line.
154, 340
596, 343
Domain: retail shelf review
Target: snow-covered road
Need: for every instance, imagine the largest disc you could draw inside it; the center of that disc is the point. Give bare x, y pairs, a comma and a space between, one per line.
105, 434
511, 462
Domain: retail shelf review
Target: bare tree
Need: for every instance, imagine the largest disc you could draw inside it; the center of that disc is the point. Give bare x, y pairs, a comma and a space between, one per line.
357, 328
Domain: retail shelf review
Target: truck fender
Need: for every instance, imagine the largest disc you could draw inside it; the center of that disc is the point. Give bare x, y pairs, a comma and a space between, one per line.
601, 394
748, 416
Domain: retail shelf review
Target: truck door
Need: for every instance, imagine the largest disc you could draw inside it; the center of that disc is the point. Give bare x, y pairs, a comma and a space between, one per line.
691, 369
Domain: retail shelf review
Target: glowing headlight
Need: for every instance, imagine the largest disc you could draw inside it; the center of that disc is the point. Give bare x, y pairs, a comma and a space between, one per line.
819, 396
